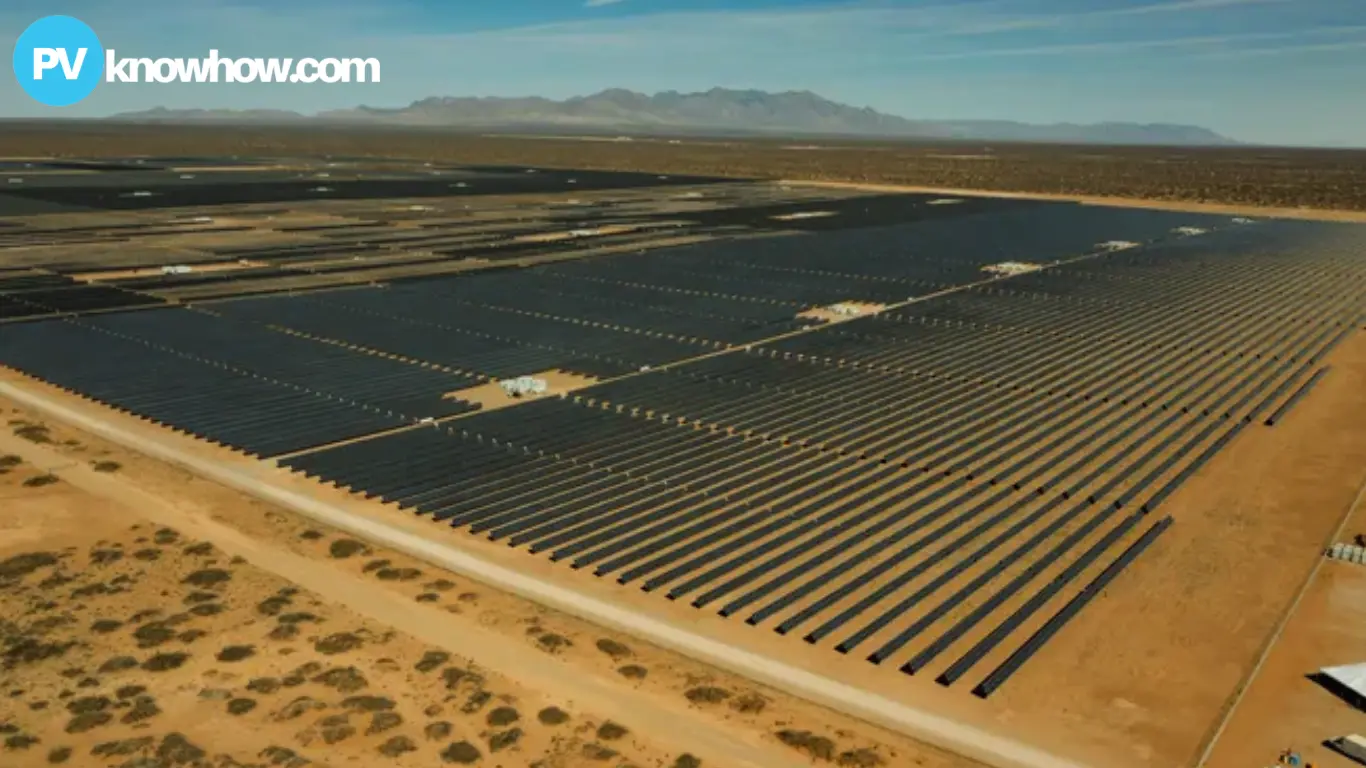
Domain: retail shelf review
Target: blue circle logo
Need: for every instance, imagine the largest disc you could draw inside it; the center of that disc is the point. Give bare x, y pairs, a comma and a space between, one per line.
58, 60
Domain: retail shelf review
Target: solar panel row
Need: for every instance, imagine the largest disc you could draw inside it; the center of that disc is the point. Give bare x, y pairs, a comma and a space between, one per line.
916, 486
916, 471
236, 384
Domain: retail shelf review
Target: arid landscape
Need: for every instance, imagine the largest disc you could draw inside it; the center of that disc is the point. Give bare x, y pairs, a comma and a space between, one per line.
154, 618
823, 457
1250, 176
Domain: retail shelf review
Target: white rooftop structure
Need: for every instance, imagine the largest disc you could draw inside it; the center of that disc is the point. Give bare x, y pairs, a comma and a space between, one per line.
1011, 268
1351, 678
803, 215
523, 385
1351, 675
1117, 245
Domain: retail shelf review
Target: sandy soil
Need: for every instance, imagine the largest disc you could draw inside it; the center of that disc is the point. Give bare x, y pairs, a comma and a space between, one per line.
1284, 708
1124, 202
1155, 662
397, 610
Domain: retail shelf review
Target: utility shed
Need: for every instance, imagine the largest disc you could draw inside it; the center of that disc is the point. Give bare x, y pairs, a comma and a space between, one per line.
1347, 681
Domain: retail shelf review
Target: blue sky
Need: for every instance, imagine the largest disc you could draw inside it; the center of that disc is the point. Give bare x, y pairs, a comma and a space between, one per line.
1272, 71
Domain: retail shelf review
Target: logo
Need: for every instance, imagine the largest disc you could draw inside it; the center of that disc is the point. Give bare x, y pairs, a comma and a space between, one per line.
58, 60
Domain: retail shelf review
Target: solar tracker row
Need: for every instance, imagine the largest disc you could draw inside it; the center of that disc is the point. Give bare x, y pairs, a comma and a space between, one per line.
158, 282
236, 384
920, 487
113, 233
935, 475
683, 301
130, 188
1298, 395
1011, 665
25, 296
23, 281
480, 341
287, 252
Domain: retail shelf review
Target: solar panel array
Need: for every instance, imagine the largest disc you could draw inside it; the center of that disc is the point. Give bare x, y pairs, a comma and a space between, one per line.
237, 384
157, 185
937, 489
24, 294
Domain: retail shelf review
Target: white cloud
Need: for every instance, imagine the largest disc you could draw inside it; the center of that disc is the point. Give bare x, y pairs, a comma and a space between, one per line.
1200, 41
1180, 6
1007, 24
1283, 50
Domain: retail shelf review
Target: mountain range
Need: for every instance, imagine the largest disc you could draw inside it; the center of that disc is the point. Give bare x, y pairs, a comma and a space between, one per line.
718, 110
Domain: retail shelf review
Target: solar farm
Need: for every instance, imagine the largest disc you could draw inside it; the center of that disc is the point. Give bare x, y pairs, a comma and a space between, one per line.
908, 439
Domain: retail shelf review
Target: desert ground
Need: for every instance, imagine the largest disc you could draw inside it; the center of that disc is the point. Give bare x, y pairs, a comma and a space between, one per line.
1190, 628
808, 484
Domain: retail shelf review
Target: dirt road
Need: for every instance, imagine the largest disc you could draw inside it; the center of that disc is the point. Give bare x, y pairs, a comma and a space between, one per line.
641, 712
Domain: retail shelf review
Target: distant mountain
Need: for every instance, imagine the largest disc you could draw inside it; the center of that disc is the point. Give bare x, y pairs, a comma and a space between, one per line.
717, 111
164, 115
